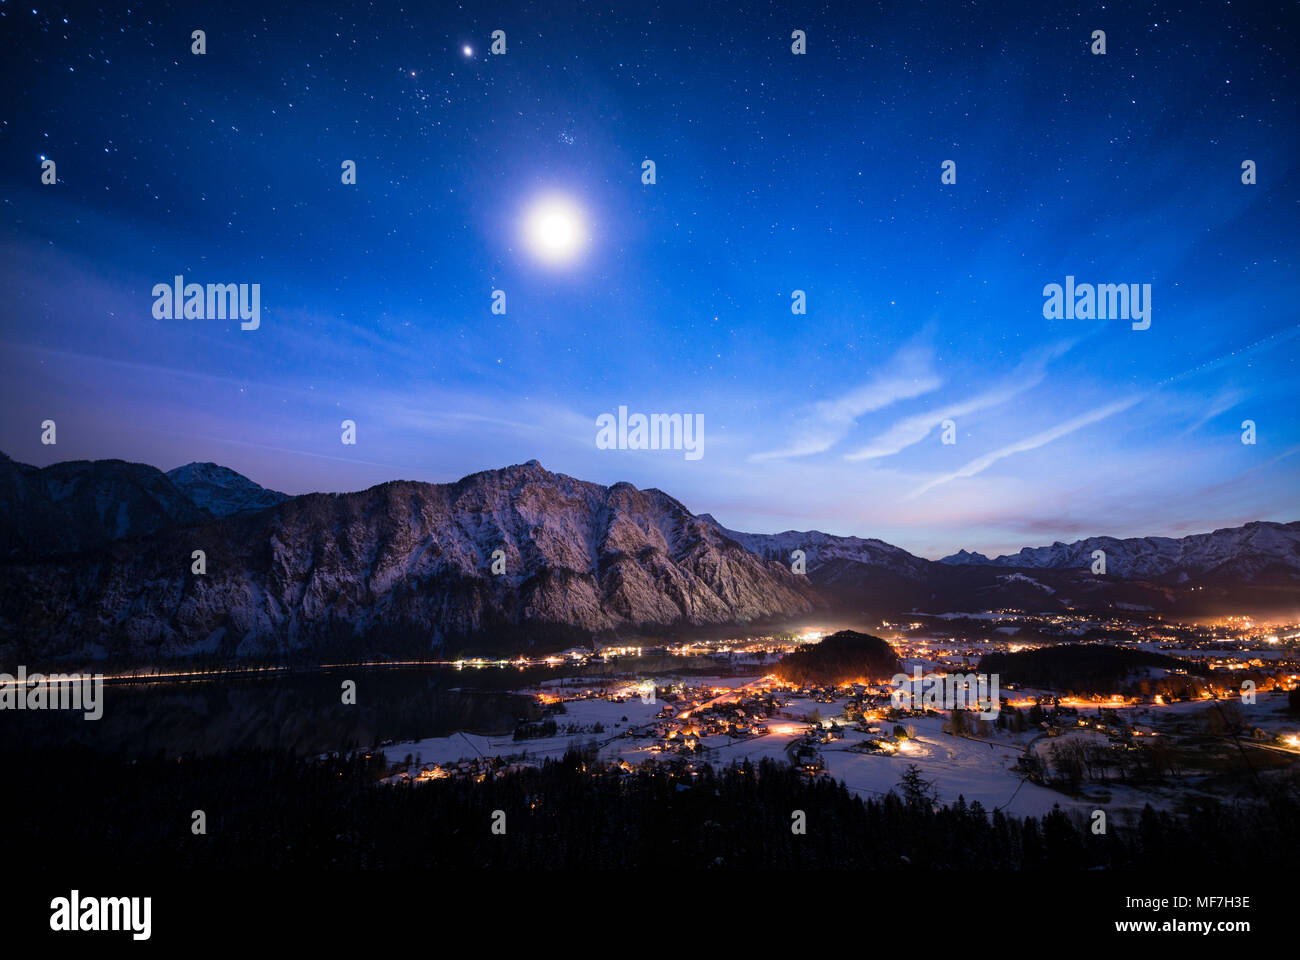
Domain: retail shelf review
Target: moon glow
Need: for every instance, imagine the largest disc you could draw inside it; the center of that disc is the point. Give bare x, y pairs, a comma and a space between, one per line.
554, 230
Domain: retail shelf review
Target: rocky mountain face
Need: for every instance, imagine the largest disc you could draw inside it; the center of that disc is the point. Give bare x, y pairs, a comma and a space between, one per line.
97, 559
826, 555
401, 567
1248, 553
851, 572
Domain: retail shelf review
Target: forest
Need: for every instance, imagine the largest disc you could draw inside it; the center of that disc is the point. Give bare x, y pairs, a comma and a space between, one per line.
272, 809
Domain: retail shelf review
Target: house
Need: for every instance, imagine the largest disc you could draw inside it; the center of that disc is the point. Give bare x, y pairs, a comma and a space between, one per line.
808, 760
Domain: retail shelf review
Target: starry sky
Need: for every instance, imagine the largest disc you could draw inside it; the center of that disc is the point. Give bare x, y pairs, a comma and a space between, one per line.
775, 173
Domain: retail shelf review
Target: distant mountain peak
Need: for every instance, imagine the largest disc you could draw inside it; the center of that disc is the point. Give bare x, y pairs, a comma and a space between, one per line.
964, 557
1242, 552
221, 491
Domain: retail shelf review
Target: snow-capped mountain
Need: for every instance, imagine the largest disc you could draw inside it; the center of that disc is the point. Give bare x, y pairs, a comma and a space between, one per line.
221, 491
401, 566
822, 550
97, 558
1239, 553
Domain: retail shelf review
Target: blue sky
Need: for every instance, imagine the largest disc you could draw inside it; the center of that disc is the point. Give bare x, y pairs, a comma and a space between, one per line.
775, 172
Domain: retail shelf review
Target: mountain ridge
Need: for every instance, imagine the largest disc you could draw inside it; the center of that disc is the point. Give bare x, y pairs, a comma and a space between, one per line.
96, 559
409, 563
1154, 557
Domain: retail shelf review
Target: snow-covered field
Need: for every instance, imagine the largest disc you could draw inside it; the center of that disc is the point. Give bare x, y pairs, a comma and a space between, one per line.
978, 770
975, 769
586, 713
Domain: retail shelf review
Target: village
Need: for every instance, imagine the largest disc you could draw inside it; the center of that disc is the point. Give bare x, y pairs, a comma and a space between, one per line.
1041, 750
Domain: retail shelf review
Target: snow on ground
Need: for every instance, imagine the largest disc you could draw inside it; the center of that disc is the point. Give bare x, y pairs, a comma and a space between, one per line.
1042, 748
975, 769
1226, 653
582, 713
1020, 577
983, 615
1270, 713
971, 768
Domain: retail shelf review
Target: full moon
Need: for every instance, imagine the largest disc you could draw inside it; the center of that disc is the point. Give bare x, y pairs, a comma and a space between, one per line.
555, 230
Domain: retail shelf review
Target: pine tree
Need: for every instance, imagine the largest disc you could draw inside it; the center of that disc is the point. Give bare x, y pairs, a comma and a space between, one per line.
916, 790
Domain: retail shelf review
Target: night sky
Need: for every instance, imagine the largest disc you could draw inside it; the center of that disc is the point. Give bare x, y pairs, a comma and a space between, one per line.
775, 173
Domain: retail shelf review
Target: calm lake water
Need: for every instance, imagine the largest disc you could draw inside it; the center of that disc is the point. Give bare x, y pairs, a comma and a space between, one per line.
296, 711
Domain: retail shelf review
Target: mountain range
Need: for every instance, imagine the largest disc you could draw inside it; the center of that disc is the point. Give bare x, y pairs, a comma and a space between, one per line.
1243, 553
97, 560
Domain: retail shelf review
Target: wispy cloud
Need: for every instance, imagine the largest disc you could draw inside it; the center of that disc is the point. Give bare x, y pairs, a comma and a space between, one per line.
915, 428
1224, 400
980, 464
821, 426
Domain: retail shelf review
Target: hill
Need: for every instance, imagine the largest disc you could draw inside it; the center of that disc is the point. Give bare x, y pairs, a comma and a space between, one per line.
840, 658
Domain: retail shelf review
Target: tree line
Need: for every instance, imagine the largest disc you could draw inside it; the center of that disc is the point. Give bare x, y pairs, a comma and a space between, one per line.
272, 809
